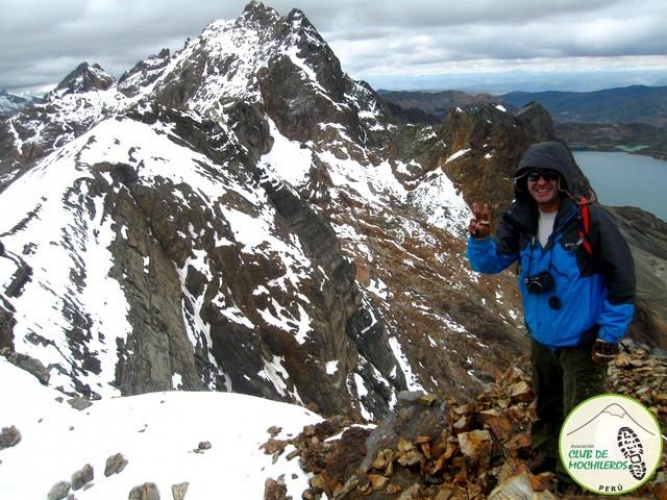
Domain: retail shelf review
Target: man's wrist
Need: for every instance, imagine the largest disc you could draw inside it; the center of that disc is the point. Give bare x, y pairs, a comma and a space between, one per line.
605, 351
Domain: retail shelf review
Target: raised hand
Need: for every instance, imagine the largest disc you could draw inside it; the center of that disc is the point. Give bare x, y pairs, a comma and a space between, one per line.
479, 224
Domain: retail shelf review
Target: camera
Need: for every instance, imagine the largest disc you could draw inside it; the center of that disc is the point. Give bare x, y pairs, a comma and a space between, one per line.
540, 282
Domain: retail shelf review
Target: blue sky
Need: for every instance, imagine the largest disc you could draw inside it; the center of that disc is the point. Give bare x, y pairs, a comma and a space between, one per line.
478, 45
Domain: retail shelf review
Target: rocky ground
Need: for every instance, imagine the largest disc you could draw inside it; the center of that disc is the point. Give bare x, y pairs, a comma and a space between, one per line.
436, 449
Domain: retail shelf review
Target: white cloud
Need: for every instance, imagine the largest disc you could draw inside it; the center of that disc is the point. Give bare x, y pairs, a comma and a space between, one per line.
374, 39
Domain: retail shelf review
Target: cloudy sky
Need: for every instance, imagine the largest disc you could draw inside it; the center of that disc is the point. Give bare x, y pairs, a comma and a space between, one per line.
477, 44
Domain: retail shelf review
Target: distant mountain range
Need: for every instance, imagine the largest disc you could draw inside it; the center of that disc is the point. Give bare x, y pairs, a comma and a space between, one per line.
11, 104
635, 104
632, 118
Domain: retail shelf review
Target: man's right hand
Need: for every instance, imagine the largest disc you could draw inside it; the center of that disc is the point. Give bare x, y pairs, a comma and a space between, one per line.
479, 224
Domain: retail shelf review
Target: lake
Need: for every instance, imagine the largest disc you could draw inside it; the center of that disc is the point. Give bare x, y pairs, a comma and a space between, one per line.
621, 179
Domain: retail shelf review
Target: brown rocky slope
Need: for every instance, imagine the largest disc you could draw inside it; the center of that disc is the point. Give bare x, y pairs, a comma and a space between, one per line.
432, 448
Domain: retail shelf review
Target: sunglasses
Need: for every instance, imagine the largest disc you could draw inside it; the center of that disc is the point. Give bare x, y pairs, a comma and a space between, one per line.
547, 175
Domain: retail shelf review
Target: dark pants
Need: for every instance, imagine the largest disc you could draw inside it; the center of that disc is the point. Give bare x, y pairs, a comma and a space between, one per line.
561, 380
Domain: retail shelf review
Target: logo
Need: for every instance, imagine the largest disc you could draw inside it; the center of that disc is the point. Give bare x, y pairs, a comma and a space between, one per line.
610, 444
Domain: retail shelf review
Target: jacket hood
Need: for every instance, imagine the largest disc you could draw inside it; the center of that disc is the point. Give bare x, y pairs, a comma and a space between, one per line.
551, 155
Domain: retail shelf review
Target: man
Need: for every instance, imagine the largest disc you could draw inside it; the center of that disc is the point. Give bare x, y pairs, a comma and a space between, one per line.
577, 286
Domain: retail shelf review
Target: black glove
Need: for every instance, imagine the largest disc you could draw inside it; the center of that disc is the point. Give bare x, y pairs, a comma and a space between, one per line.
604, 352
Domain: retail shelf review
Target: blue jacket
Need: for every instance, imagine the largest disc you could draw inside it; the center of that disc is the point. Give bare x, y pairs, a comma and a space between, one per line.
594, 292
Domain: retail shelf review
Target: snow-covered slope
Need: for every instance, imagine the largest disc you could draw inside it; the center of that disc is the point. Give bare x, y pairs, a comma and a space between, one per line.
211, 441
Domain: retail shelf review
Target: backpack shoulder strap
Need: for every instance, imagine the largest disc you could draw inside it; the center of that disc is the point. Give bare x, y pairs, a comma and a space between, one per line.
585, 225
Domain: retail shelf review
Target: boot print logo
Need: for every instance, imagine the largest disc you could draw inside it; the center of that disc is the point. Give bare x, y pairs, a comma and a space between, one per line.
610, 444
633, 451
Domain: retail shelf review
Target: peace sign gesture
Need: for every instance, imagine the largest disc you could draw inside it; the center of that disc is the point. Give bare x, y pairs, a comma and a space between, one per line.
479, 224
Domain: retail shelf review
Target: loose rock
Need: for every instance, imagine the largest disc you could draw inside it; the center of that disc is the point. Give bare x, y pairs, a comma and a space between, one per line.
59, 491
115, 464
82, 477
178, 491
9, 437
146, 491
275, 489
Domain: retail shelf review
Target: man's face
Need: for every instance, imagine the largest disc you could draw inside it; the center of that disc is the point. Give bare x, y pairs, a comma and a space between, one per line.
543, 187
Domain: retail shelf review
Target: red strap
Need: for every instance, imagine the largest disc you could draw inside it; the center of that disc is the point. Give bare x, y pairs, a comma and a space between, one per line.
586, 223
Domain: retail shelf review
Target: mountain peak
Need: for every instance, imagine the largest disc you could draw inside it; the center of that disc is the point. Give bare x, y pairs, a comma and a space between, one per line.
84, 78
258, 12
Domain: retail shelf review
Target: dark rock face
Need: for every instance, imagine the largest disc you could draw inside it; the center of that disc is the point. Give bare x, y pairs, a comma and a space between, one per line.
647, 237
158, 346
157, 349
536, 121
27, 363
495, 142
10, 436
299, 109
338, 297
7, 323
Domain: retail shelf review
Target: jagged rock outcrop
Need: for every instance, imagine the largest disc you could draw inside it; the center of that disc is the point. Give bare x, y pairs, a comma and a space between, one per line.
144, 73
84, 78
27, 363
536, 121
68, 111
340, 301
493, 142
10, 436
